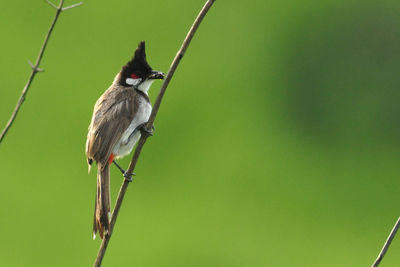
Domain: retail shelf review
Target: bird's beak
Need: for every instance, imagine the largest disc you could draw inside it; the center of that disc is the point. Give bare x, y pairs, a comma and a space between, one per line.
156, 75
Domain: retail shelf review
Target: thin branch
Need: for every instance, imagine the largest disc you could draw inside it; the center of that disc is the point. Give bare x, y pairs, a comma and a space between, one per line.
149, 125
387, 244
35, 68
53, 5
72, 6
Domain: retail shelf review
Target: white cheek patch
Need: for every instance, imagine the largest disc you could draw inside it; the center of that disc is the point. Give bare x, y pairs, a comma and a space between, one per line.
132, 82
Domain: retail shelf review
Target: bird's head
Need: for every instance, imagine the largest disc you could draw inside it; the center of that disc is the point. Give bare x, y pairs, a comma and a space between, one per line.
137, 73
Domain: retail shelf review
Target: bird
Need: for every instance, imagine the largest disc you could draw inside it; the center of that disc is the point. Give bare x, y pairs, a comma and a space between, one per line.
118, 120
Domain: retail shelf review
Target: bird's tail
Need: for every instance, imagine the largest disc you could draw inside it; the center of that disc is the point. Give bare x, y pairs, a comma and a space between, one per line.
101, 220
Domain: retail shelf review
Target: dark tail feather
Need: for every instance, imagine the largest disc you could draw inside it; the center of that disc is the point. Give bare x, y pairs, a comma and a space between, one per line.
101, 220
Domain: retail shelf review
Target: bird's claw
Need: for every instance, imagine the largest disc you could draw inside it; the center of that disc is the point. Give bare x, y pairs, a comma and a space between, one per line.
128, 177
143, 129
124, 173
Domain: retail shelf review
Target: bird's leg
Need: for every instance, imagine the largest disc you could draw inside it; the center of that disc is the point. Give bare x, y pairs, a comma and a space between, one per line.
143, 129
119, 167
127, 177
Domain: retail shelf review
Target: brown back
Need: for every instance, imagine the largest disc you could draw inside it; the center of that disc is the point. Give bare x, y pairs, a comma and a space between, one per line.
112, 114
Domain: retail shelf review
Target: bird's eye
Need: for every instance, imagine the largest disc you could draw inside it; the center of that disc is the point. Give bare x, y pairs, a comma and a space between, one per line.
134, 76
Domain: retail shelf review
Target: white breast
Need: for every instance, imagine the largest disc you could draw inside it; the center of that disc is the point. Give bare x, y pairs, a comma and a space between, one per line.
125, 145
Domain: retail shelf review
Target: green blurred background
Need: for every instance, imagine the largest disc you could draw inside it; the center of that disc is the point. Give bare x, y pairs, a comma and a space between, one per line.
277, 143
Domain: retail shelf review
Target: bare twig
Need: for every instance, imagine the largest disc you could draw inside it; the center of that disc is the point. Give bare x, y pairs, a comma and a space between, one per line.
35, 67
53, 5
387, 243
149, 125
72, 6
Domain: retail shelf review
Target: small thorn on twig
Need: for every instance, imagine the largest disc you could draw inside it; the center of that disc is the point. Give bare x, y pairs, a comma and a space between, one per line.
34, 68
71, 6
50, 3
30, 64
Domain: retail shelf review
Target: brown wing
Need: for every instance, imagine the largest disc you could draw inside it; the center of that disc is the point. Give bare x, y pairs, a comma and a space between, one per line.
112, 114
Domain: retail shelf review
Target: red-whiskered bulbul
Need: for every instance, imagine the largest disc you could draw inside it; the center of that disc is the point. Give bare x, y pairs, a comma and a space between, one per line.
118, 119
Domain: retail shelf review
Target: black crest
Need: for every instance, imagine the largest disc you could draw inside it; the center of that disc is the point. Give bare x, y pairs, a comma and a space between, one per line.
138, 65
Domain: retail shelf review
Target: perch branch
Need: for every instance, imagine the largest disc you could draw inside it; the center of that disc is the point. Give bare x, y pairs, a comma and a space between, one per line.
149, 125
35, 67
387, 243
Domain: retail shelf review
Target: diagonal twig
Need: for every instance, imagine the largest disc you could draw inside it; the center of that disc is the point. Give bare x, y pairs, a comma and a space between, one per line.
149, 125
35, 67
72, 6
387, 243
53, 5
